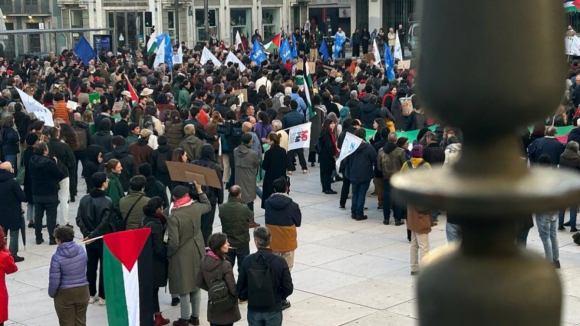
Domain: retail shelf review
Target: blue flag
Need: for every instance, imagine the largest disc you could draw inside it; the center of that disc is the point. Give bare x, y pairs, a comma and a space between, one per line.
294, 53
324, 50
389, 63
257, 54
285, 51
84, 51
168, 51
338, 42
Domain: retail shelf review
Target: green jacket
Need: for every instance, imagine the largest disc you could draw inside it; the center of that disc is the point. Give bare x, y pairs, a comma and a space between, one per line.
183, 99
131, 139
154, 187
133, 198
235, 216
114, 189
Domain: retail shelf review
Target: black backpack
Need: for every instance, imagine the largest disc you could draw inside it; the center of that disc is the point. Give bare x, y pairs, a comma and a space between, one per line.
260, 283
219, 296
81, 137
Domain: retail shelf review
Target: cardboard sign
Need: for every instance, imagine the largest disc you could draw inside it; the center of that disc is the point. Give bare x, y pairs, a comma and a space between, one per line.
186, 172
370, 57
243, 92
311, 66
117, 107
404, 64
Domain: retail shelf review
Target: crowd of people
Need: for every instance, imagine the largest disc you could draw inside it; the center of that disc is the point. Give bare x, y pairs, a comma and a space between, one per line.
193, 114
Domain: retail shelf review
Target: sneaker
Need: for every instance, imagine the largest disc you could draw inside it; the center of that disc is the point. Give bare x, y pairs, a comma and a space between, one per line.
386, 222
373, 194
52, 243
18, 259
289, 172
286, 304
415, 273
92, 299
341, 207
253, 224
102, 302
573, 230
31, 225
556, 264
567, 223
338, 179
39, 241
72, 199
561, 228
174, 302
397, 223
194, 321
330, 192
181, 322
361, 217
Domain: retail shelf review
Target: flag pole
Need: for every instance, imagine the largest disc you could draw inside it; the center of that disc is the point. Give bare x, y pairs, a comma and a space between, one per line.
91, 240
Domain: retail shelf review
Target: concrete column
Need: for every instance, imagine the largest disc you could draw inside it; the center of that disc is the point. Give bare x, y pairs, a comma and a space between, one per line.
375, 14
353, 22
256, 19
225, 21
157, 16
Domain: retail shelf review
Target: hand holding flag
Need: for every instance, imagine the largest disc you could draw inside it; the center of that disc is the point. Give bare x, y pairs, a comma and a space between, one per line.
324, 50
285, 51
84, 51
338, 42
398, 49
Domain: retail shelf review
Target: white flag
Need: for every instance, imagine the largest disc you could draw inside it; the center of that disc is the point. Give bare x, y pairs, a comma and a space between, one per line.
160, 58
206, 56
398, 49
238, 39
299, 136
376, 53
349, 145
232, 58
32, 105
178, 58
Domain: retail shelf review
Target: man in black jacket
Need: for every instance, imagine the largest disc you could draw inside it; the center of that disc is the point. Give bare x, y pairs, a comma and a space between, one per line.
127, 161
66, 162
359, 170
433, 153
11, 195
199, 129
45, 178
122, 127
93, 217
266, 305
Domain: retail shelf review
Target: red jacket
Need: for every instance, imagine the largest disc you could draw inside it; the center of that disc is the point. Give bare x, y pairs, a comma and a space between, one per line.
7, 266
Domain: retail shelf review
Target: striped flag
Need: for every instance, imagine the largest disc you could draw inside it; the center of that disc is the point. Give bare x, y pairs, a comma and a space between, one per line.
572, 6
131, 90
127, 272
274, 44
307, 86
152, 44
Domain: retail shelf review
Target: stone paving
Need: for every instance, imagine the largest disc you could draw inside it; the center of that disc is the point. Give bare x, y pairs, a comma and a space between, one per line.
345, 273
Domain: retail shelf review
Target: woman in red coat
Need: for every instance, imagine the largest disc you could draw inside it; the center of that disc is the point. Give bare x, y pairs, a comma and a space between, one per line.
7, 266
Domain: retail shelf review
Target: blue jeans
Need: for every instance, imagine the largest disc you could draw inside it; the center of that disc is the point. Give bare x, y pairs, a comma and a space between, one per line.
264, 318
259, 192
573, 214
397, 209
453, 232
546, 223
359, 192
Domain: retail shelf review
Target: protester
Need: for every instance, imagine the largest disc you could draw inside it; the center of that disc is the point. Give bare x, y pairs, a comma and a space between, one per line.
65, 162
131, 206
262, 310
153, 187
141, 151
68, 283
390, 160
327, 154
45, 179
155, 220
31, 141
92, 164
216, 267
548, 145
185, 250
114, 188
93, 218
235, 217
272, 165
11, 197
103, 137
359, 170
246, 165
121, 153
191, 143
569, 160
7, 266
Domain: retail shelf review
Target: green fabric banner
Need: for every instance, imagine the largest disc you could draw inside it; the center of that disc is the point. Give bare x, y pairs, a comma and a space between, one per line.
411, 135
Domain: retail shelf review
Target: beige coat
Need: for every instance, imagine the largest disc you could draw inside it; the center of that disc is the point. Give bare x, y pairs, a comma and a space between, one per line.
185, 246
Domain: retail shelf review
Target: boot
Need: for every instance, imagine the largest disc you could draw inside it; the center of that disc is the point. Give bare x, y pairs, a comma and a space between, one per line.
159, 320
181, 322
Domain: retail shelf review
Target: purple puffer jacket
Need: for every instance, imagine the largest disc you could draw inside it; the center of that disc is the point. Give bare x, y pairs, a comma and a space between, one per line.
67, 268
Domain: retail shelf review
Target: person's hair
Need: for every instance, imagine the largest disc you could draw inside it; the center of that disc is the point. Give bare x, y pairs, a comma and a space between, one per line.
235, 191
215, 242
401, 141
573, 146
392, 137
64, 234
452, 140
137, 183
118, 141
68, 135
53, 132
384, 132
280, 185
262, 236
177, 154
361, 133
293, 105
99, 178
88, 116
381, 123
326, 125
264, 117
40, 148
2, 239
551, 131
7, 122
539, 129
152, 205
124, 113
274, 138
189, 130
246, 138
105, 124
111, 164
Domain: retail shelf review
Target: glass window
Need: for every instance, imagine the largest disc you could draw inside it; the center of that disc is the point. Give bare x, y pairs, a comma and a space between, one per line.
200, 23
31, 2
76, 19
170, 20
241, 20
271, 22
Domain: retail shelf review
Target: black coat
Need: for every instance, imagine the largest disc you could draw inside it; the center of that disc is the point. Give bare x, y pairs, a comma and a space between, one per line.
26, 155
275, 168
45, 177
94, 214
159, 249
160, 156
127, 162
434, 154
65, 155
121, 129
359, 165
368, 113
10, 141
91, 165
103, 139
21, 120
99, 118
327, 153
11, 195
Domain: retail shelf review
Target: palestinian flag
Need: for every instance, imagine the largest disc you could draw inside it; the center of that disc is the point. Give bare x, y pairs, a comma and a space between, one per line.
127, 272
152, 44
307, 86
131, 90
273, 44
572, 6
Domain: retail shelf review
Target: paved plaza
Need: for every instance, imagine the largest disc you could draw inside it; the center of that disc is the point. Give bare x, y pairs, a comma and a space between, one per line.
346, 272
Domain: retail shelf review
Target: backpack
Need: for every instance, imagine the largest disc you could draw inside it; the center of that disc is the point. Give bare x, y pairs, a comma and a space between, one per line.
82, 138
218, 294
260, 283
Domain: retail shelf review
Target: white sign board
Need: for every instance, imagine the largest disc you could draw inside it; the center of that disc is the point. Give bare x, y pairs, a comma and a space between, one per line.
299, 136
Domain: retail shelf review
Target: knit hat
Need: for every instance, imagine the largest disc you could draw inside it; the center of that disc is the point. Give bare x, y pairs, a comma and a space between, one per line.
145, 169
145, 133
417, 151
179, 191
31, 139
